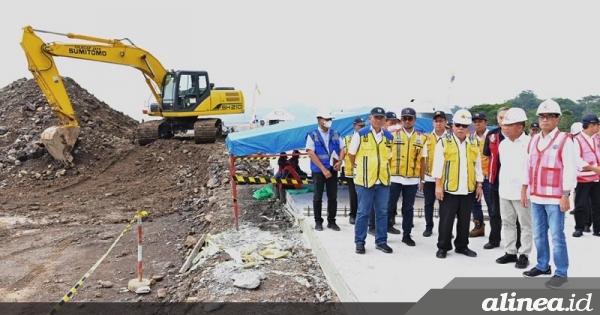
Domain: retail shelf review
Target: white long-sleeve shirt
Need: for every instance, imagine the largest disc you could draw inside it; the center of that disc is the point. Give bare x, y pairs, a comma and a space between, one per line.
513, 158
569, 175
578, 159
426, 154
438, 165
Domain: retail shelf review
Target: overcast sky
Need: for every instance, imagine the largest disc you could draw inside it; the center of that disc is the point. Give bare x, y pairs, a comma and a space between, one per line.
329, 53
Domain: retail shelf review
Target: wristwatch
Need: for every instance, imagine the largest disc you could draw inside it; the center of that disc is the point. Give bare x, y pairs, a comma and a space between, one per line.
566, 193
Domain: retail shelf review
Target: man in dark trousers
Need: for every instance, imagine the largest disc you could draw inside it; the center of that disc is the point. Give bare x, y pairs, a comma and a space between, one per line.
490, 149
324, 147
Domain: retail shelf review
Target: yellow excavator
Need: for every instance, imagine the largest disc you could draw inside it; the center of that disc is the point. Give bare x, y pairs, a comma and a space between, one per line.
182, 96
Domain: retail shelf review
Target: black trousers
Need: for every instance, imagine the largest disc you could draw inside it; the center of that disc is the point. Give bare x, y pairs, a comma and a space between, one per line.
353, 197
586, 194
320, 183
496, 221
451, 207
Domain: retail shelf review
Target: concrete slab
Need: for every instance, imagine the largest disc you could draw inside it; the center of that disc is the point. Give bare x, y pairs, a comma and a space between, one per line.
408, 273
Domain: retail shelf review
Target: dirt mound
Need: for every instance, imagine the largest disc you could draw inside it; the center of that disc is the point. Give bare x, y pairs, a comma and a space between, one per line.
25, 113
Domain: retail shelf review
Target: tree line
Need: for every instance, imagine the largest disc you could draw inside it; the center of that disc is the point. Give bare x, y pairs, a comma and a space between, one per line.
527, 100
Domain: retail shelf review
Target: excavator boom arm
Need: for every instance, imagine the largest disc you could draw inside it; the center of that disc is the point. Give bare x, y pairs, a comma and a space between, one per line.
42, 66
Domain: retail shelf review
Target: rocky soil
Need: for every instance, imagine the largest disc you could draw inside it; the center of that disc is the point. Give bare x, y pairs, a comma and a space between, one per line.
55, 223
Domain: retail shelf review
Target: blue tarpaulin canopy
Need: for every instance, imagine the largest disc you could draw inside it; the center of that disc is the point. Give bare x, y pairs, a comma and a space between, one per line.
291, 135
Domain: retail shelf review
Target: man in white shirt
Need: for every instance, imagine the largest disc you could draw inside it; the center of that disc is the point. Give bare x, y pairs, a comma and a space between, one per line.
513, 158
458, 181
550, 178
324, 147
587, 190
427, 181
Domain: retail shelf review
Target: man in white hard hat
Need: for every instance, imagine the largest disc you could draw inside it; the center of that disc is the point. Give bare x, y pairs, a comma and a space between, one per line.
513, 157
550, 178
458, 182
324, 147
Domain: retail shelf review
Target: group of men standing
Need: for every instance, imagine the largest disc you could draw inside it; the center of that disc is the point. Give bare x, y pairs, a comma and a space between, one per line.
526, 180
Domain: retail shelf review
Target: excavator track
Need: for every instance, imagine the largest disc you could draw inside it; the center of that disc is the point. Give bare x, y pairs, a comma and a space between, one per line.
207, 130
148, 132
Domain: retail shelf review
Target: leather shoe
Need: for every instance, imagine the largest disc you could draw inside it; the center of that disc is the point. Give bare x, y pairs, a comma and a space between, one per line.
333, 226
393, 230
360, 248
577, 233
406, 239
441, 253
384, 248
319, 226
352, 220
490, 246
507, 258
427, 233
466, 252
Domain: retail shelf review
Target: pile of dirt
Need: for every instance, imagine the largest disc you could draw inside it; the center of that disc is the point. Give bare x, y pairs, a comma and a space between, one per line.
25, 113
52, 217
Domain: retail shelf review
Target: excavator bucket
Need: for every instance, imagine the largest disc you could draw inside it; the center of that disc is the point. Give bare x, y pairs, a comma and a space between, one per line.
60, 140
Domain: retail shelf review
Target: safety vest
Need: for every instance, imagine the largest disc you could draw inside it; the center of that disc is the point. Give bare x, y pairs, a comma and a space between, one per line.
485, 162
546, 166
407, 153
590, 154
431, 143
494, 138
372, 159
321, 150
451, 172
347, 164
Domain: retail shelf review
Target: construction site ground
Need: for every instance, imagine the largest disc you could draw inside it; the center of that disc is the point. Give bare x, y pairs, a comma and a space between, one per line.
56, 222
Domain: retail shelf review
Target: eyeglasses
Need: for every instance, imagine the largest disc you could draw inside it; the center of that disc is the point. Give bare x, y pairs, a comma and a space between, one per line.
407, 118
461, 126
547, 117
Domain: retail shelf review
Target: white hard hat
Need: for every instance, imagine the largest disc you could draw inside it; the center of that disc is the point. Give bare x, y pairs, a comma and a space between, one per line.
462, 116
324, 113
576, 128
514, 115
548, 107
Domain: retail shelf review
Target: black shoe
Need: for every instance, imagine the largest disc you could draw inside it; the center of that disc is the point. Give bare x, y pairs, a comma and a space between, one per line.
507, 258
466, 252
534, 272
427, 233
557, 282
522, 263
371, 231
393, 230
333, 226
360, 248
490, 246
384, 248
577, 233
587, 229
319, 227
408, 241
352, 220
441, 253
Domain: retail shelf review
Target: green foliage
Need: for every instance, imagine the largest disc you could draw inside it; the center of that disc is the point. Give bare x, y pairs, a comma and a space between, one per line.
571, 111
